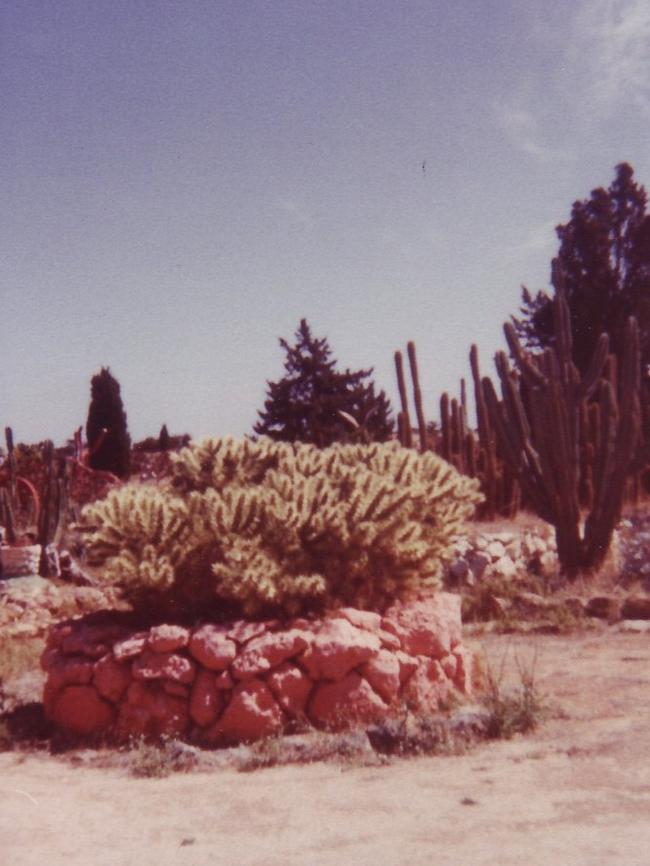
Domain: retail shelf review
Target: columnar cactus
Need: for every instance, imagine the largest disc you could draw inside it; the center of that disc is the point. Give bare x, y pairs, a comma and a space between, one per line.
538, 422
403, 420
417, 395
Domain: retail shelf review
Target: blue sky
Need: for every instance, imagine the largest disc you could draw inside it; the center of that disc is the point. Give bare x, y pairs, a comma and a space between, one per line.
182, 182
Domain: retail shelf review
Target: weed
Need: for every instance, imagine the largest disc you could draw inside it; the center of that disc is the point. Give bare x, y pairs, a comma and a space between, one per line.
348, 748
267, 752
157, 760
512, 712
412, 736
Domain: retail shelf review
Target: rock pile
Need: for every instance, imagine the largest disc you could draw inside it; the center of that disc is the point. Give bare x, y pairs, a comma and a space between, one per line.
229, 683
502, 554
29, 606
635, 543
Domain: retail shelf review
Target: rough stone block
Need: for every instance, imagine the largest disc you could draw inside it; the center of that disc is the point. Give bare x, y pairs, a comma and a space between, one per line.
291, 688
167, 638
263, 653
337, 649
80, 710
206, 700
163, 666
111, 679
351, 700
252, 713
211, 646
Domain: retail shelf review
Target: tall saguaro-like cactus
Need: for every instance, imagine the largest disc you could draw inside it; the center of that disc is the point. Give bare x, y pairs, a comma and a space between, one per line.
538, 425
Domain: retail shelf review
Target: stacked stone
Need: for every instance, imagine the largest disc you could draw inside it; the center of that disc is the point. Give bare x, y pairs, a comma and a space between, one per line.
237, 682
503, 554
635, 548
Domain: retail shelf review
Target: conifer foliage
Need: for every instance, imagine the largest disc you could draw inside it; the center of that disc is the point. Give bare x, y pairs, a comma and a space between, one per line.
316, 403
108, 439
604, 256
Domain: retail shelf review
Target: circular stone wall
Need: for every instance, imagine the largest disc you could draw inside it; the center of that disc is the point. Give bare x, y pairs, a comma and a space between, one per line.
238, 682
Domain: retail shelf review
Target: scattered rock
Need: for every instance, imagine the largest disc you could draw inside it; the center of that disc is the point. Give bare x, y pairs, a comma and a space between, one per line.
636, 607
504, 567
635, 626
495, 550
530, 603
604, 607
459, 570
478, 562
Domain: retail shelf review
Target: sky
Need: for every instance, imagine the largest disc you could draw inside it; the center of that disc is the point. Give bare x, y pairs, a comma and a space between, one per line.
182, 181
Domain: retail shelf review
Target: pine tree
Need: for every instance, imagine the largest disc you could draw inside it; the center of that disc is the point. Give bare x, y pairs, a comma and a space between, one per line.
108, 439
316, 403
604, 256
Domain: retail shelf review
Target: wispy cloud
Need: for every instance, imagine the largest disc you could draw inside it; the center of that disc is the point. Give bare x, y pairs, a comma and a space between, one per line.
595, 65
611, 40
525, 132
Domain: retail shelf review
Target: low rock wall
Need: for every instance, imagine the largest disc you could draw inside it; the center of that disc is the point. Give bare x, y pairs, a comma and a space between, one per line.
506, 555
238, 682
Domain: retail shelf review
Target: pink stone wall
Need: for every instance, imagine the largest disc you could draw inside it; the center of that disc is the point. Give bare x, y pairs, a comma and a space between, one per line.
237, 682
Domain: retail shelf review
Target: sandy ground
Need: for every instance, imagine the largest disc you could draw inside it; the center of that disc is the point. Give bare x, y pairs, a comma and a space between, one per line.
575, 792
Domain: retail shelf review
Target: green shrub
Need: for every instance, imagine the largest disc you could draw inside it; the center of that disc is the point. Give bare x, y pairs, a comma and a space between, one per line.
275, 527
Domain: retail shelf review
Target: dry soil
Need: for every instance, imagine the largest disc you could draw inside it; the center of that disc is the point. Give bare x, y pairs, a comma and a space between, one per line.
575, 792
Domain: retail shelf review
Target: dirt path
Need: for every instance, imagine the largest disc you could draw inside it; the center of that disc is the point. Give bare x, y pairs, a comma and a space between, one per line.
576, 792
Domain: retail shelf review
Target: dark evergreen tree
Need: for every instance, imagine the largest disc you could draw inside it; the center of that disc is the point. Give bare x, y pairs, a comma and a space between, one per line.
164, 439
109, 443
316, 403
604, 255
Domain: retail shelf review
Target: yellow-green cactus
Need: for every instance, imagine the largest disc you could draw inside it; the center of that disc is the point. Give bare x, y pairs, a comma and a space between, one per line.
273, 526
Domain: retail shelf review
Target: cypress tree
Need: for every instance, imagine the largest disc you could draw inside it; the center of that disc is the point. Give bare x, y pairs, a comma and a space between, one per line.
108, 439
164, 439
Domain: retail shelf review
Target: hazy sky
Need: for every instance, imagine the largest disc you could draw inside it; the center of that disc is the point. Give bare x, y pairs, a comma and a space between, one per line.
183, 181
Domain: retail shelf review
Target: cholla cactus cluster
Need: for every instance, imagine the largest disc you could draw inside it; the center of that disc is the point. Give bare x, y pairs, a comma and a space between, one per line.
271, 526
